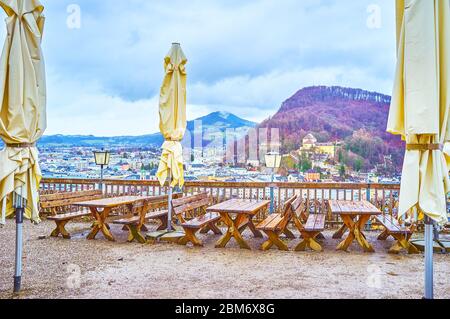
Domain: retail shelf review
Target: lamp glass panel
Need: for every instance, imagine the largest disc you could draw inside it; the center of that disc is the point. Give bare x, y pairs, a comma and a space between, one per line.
278, 158
101, 158
108, 155
273, 160
270, 161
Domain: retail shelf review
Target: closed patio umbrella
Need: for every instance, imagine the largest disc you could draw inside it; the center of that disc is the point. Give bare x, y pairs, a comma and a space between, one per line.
22, 115
420, 113
172, 112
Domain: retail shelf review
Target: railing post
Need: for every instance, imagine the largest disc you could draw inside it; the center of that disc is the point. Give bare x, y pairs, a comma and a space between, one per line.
369, 222
368, 193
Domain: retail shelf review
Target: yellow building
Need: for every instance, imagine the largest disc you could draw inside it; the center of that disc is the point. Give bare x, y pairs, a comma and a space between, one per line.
326, 148
310, 143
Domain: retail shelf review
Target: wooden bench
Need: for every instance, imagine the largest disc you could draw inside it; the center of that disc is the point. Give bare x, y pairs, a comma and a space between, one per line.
61, 202
144, 211
57, 203
311, 230
204, 223
402, 234
275, 225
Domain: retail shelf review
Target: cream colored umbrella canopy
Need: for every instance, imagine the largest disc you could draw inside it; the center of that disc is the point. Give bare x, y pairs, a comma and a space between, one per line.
420, 113
421, 103
172, 112
23, 105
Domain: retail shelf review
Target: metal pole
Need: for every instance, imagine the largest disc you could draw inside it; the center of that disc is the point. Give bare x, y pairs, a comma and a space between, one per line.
272, 208
367, 193
19, 208
101, 178
429, 258
169, 206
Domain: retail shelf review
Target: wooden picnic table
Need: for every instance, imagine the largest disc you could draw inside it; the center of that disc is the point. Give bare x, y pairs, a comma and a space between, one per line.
243, 212
101, 208
355, 215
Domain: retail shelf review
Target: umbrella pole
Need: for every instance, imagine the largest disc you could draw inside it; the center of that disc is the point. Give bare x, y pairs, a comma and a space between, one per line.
428, 258
19, 224
169, 206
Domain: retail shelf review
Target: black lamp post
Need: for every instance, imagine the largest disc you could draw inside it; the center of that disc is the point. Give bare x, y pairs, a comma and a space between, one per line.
102, 159
273, 161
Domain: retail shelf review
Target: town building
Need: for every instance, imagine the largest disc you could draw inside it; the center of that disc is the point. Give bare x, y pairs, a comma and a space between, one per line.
312, 176
310, 144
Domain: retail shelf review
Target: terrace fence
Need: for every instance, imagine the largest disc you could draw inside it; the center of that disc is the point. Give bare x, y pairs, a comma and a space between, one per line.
384, 196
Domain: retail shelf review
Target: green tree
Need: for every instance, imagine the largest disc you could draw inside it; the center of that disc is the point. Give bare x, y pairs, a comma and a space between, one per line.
342, 171
358, 165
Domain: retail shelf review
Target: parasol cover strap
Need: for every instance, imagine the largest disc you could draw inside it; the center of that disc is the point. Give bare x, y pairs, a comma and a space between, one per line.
424, 147
21, 145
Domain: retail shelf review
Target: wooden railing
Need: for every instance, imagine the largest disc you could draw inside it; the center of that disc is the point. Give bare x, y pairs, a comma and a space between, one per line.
384, 196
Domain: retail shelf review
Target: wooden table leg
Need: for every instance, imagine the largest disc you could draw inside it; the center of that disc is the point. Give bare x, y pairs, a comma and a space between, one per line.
233, 231
359, 235
350, 224
340, 233
253, 229
100, 224
356, 232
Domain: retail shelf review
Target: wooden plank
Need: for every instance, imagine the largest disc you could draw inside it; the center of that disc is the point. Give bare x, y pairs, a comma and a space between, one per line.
274, 223
190, 206
311, 222
113, 202
353, 208
202, 221
127, 221
239, 206
392, 225
189, 199
68, 216
320, 222
68, 195
267, 221
69, 201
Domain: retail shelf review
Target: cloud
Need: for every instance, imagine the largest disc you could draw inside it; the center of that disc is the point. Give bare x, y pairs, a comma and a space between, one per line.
245, 57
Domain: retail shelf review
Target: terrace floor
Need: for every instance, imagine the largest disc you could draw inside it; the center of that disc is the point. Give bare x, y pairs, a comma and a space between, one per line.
123, 270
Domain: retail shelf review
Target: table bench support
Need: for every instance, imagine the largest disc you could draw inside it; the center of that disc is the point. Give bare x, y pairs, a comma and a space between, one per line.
384, 235
60, 229
402, 242
234, 230
135, 234
190, 237
274, 239
100, 224
355, 233
309, 241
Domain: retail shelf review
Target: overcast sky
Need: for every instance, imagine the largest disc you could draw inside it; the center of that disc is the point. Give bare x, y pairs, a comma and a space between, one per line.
245, 57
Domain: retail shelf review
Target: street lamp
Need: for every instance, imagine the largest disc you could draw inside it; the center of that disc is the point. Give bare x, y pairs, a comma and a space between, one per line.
273, 161
102, 159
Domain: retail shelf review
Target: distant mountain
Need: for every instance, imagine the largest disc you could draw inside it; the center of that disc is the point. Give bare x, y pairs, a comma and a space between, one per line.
221, 121
211, 125
214, 126
98, 141
355, 116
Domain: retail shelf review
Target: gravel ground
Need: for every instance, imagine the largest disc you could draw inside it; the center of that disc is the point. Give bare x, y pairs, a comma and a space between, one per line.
77, 268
